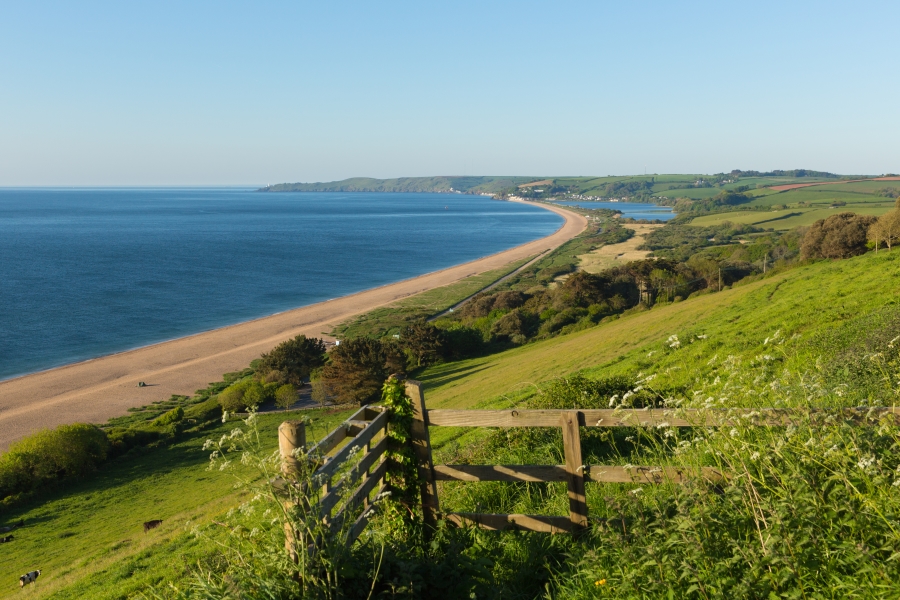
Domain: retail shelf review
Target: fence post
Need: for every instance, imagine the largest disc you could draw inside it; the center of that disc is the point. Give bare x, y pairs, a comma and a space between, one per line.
291, 435
578, 514
421, 443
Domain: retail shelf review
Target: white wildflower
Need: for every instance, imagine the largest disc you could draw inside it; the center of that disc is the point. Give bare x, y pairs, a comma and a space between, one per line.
651, 353
673, 342
754, 456
733, 433
636, 491
702, 337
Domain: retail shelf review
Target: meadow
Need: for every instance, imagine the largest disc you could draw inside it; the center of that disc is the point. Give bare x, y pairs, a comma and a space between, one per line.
89, 542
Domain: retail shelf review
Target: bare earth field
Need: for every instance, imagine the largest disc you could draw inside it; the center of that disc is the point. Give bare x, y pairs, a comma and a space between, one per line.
96, 390
609, 256
794, 186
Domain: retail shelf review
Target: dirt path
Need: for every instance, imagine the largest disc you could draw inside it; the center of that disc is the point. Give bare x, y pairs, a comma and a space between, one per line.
95, 390
613, 254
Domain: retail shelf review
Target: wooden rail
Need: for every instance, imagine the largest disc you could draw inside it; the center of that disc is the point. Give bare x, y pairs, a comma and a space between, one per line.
363, 432
366, 428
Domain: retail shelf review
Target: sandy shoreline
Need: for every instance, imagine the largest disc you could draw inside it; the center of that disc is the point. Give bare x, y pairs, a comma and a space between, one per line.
96, 390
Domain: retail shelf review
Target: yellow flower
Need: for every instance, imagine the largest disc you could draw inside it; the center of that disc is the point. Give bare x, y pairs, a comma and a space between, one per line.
600, 582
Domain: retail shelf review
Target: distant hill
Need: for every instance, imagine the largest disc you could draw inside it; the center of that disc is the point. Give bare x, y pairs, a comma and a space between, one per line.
472, 185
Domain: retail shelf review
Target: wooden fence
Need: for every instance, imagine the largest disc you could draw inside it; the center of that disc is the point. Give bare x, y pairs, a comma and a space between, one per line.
366, 423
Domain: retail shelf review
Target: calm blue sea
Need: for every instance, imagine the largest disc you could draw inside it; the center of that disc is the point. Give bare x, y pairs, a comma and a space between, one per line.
634, 210
88, 272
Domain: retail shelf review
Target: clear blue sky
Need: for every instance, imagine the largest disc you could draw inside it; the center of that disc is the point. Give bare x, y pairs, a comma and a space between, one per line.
157, 93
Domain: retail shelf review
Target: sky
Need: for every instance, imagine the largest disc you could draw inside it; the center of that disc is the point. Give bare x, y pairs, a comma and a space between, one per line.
241, 93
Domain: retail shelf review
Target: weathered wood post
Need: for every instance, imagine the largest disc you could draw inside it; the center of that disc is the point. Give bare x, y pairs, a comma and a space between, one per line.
291, 436
421, 442
578, 514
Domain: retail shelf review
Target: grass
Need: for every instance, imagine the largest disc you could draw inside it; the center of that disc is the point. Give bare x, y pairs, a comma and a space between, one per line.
799, 300
393, 317
88, 540
783, 220
89, 543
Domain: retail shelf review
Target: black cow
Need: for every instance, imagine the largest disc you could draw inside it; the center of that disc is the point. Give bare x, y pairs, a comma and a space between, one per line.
8, 538
152, 525
28, 578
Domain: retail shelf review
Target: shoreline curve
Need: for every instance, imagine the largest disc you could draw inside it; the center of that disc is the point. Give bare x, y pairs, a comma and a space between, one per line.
98, 389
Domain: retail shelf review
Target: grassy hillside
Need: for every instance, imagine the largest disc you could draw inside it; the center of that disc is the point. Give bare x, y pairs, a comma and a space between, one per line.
406, 184
89, 542
799, 301
803, 206
817, 318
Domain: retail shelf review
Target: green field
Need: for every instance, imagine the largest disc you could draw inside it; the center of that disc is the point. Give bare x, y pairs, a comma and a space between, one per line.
88, 540
89, 543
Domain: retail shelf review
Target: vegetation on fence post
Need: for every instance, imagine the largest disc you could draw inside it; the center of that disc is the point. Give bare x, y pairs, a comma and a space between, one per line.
402, 512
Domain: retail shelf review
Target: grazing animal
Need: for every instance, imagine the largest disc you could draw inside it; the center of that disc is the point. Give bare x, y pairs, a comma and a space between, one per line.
8, 538
28, 578
13, 526
152, 525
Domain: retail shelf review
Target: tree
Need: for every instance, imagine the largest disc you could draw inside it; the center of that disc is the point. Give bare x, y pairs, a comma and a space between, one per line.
425, 343
291, 361
285, 396
886, 229
356, 370
839, 236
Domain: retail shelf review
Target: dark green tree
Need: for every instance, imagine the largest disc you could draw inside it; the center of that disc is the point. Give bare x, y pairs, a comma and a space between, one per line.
425, 343
291, 361
356, 370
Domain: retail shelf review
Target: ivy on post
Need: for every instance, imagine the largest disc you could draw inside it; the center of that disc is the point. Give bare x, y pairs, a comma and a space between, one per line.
402, 476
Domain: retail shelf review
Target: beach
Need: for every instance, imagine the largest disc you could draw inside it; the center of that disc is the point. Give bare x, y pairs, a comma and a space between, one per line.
96, 390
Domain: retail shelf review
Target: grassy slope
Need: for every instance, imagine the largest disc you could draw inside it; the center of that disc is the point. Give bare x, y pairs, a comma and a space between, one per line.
389, 319
736, 320
88, 540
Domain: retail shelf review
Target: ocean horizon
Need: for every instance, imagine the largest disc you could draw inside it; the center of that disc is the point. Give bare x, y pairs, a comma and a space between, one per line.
86, 272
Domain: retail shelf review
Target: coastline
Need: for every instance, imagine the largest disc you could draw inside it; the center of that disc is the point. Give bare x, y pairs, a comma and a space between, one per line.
95, 390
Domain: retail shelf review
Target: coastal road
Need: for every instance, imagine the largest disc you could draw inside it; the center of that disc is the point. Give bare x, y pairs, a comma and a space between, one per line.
96, 390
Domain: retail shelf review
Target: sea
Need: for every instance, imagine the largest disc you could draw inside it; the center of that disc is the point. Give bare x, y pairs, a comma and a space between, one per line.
634, 210
90, 272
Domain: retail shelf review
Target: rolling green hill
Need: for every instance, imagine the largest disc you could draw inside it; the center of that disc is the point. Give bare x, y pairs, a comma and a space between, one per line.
463, 184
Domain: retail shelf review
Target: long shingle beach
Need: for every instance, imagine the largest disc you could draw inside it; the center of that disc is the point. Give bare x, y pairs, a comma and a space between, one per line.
96, 390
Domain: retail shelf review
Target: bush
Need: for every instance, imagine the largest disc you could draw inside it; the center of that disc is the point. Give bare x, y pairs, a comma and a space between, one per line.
173, 416
240, 396
357, 369
839, 236
51, 455
292, 361
285, 396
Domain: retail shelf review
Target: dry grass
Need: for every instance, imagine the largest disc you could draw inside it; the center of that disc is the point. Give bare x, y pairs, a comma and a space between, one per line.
609, 256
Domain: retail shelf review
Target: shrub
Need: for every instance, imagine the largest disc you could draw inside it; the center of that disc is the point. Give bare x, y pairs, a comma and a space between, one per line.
285, 396
51, 455
425, 343
173, 416
839, 236
357, 369
291, 361
244, 394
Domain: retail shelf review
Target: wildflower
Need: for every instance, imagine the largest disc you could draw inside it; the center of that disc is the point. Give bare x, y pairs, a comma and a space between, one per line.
636, 491
612, 401
673, 342
652, 352
893, 341
702, 337
224, 416
600, 582
896, 483
754, 456
733, 433
865, 463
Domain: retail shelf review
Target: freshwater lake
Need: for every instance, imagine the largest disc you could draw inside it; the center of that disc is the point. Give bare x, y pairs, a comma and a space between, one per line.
634, 210
89, 272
